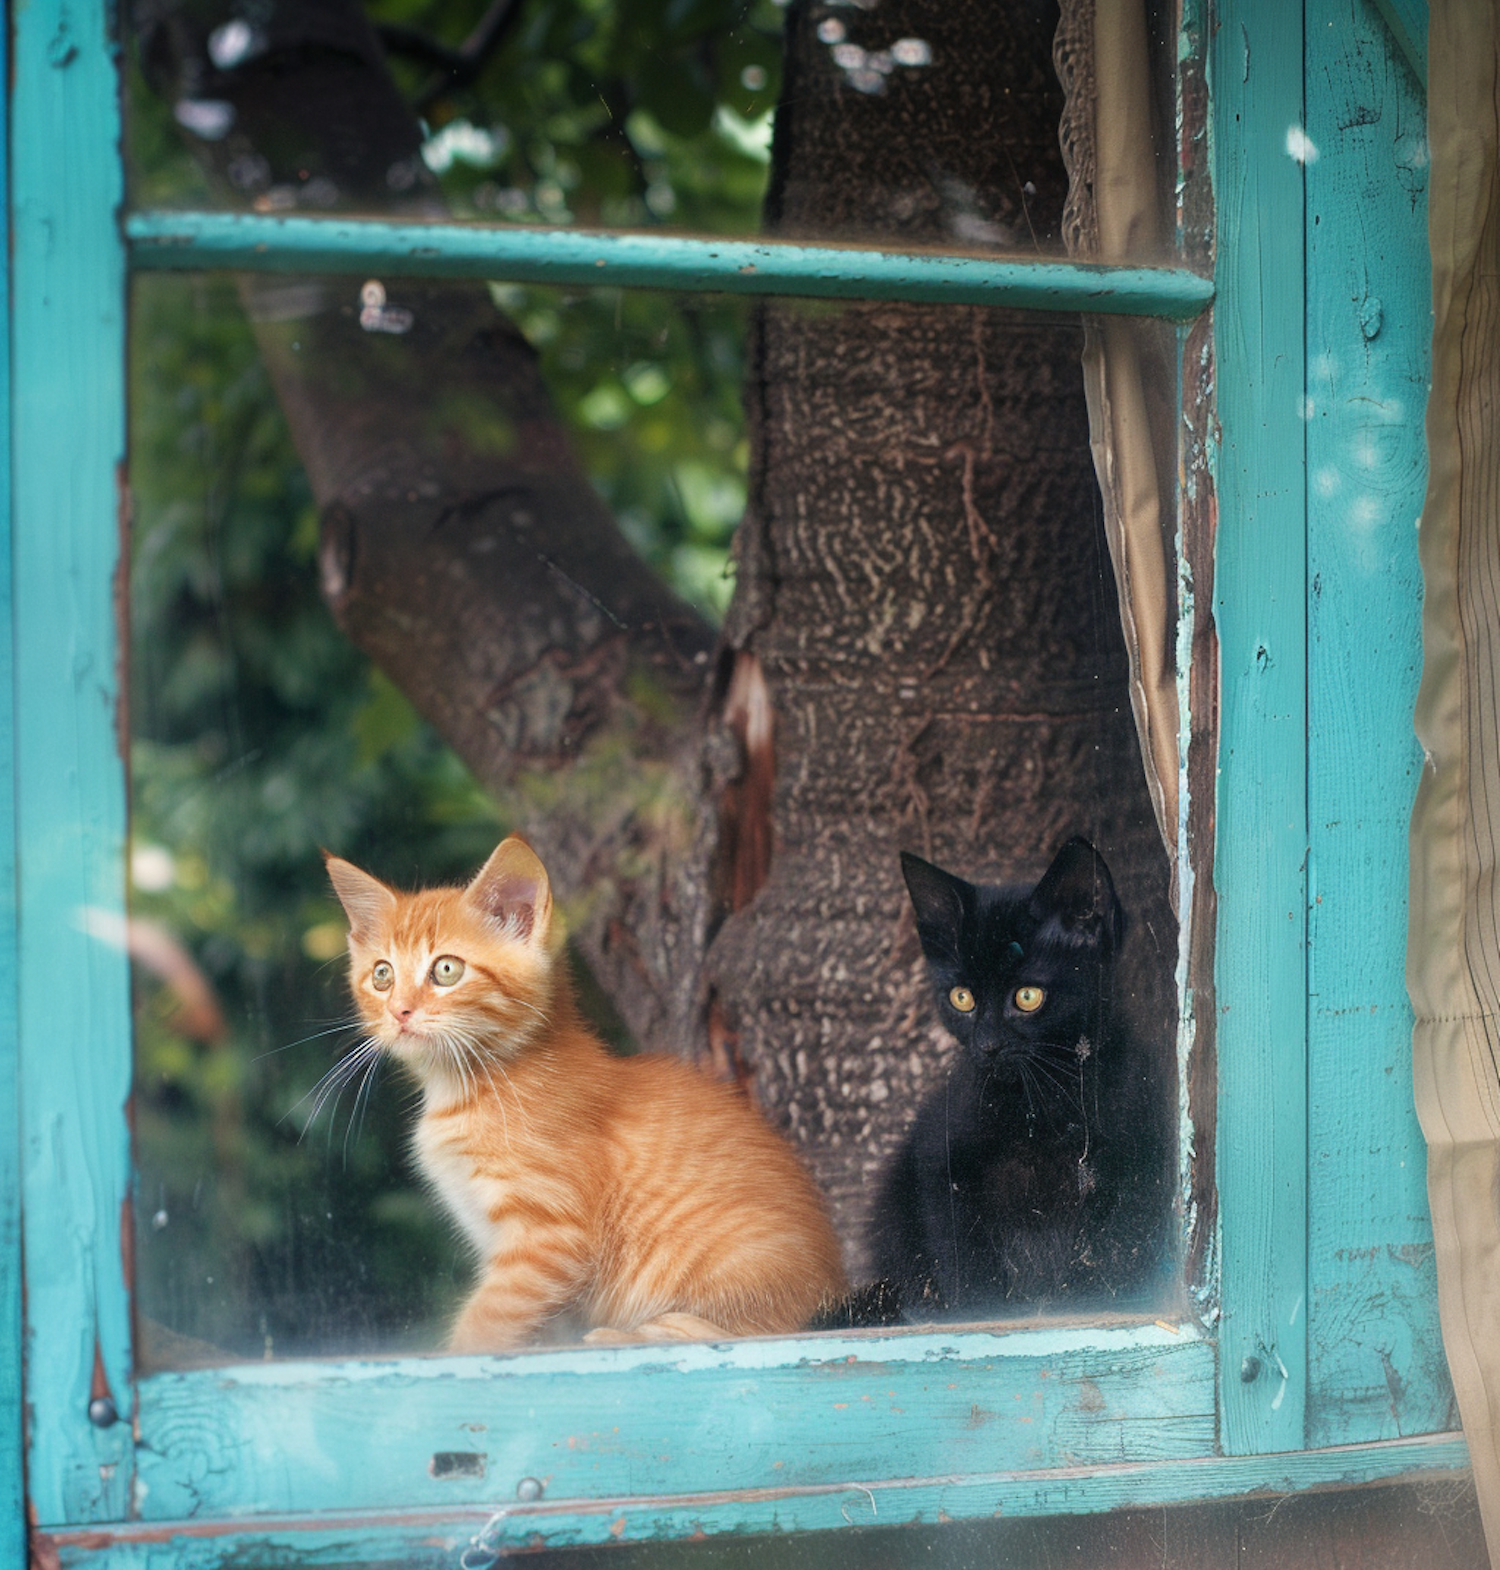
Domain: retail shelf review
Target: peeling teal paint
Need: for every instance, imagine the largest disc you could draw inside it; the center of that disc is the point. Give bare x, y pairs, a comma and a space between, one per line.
652, 1420
430, 1539
68, 442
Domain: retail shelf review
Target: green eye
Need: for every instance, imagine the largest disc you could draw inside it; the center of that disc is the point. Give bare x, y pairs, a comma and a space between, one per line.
962, 999
383, 977
1030, 999
446, 970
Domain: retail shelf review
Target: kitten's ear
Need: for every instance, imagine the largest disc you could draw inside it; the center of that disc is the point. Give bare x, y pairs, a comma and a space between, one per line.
512, 891
940, 901
366, 900
1078, 892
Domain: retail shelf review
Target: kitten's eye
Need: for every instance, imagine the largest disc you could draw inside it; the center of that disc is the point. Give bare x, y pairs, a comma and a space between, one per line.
447, 970
383, 977
1030, 999
962, 999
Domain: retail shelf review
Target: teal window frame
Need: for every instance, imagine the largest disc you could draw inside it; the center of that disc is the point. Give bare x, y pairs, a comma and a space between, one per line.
1307, 1361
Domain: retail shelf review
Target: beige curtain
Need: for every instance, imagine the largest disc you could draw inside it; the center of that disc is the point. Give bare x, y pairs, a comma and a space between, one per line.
1113, 216
1453, 959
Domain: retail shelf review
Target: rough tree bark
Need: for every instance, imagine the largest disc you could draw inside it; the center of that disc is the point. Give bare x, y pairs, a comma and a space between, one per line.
923, 650
925, 585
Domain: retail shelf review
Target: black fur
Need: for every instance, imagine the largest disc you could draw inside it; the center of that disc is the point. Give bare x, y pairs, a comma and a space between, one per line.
1034, 1172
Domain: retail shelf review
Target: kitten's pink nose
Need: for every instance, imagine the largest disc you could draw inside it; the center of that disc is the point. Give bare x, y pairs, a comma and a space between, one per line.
399, 1011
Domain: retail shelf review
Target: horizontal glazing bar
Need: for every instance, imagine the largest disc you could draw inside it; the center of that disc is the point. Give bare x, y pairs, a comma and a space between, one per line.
566, 256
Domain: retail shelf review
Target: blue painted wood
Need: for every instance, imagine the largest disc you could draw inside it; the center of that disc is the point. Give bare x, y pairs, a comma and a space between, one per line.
12, 1435
527, 255
755, 1436
1261, 836
292, 1437
1377, 1366
67, 431
437, 1537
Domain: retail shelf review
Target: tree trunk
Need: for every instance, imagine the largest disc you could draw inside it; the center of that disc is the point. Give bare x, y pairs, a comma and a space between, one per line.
925, 586
924, 648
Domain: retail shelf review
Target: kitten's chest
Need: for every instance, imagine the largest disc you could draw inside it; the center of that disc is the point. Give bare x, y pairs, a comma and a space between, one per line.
472, 1191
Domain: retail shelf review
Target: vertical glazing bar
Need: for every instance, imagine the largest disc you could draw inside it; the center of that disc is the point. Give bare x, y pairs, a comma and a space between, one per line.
67, 433
1261, 862
12, 1433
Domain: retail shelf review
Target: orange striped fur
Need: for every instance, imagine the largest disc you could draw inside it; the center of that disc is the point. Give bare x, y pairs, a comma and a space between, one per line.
636, 1191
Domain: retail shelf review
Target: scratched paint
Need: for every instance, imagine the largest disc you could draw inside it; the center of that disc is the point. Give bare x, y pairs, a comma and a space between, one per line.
599, 1423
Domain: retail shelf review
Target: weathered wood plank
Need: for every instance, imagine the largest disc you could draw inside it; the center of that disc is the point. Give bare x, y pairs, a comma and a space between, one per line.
749, 1415
68, 431
1377, 1368
437, 1537
1261, 840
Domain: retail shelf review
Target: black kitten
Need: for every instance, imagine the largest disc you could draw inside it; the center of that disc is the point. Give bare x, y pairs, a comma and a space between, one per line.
1034, 1172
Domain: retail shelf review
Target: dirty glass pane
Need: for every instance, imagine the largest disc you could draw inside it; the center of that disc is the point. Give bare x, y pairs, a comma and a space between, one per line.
275, 1217
355, 502
890, 122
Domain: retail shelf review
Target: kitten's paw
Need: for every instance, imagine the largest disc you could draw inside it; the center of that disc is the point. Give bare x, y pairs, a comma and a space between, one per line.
682, 1327
665, 1327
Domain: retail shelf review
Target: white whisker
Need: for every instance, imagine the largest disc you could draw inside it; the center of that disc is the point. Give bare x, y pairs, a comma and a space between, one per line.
317, 1035
361, 1101
334, 1082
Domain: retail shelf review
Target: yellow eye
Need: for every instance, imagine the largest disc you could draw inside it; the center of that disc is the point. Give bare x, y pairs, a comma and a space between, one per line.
1030, 999
962, 999
447, 969
383, 977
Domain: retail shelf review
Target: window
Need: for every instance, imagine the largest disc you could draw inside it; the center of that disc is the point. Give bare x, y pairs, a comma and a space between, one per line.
1310, 1218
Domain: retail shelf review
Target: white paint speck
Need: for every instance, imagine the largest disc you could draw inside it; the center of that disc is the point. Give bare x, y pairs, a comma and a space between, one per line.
1299, 145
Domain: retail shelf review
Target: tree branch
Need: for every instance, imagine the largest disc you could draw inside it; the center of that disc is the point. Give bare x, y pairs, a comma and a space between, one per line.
464, 548
456, 67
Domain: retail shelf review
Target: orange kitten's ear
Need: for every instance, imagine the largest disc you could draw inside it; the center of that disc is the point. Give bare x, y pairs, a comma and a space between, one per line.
366, 900
512, 890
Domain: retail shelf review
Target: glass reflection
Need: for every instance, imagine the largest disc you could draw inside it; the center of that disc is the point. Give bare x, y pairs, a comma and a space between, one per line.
922, 592
904, 122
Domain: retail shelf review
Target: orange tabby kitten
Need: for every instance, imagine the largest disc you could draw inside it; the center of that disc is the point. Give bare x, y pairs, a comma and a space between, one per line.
653, 1200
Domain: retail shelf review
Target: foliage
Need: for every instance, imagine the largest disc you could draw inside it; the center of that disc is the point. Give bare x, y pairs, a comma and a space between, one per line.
617, 113
259, 734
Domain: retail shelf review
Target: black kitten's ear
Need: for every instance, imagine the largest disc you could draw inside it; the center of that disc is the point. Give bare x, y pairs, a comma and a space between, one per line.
940, 901
1077, 892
